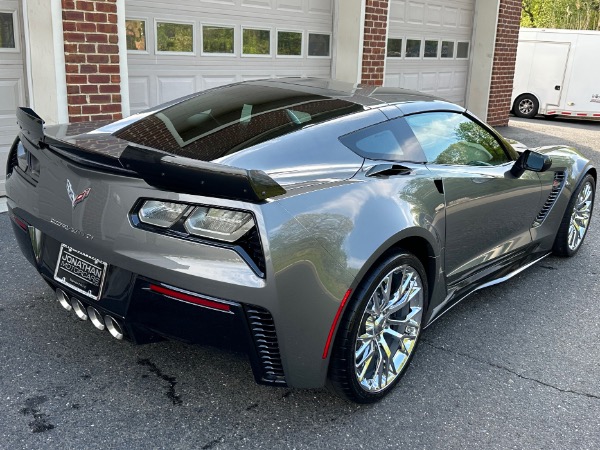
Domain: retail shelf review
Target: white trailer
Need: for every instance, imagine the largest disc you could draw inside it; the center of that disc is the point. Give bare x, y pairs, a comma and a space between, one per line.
557, 73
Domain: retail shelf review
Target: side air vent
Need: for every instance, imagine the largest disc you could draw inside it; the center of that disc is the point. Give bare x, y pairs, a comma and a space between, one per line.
251, 244
557, 185
267, 348
12, 161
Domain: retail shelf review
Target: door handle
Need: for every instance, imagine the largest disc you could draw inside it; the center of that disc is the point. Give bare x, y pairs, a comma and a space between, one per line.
557, 88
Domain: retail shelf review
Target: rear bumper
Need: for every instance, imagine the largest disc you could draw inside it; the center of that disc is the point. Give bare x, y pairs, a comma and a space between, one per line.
150, 310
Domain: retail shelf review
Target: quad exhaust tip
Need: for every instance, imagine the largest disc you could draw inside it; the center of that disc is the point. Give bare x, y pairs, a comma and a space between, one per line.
96, 318
79, 309
63, 299
113, 327
101, 323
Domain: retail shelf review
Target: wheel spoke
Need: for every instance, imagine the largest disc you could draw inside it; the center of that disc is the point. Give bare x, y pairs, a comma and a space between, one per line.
383, 344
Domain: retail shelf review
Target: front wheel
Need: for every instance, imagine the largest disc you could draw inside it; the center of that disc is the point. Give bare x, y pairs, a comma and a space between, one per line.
378, 335
576, 220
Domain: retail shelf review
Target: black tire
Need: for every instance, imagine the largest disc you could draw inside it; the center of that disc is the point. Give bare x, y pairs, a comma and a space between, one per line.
342, 372
562, 245
526, 105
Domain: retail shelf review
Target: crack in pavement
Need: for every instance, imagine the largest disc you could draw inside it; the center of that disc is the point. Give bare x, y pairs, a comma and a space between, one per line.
171, 393
506, 369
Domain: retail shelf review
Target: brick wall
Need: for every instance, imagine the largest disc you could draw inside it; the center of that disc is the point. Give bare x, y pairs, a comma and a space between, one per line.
92, 59
376, 19
505, 56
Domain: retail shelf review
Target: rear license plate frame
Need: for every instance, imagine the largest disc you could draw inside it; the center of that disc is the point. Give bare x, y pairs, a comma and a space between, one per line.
81, 272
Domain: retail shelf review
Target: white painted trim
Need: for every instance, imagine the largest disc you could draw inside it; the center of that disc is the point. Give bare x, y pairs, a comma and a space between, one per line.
361, 45
123, 67
59, 54
335, 13
488, 81
27, 58
387, 34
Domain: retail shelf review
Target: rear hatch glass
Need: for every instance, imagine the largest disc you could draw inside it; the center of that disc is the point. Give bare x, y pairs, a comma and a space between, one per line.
226, 120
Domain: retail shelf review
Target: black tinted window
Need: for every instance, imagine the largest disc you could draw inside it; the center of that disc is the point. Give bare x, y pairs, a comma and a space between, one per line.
451, 138
390, 141
223, 121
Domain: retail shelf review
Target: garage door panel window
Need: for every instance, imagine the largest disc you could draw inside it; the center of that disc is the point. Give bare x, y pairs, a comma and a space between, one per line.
135, 35
175, 38
413, 48
431, 49
454, 139
319, 45
394, 48
289, 43
218, 40
462, 50
7, 31
256, 42
447, 49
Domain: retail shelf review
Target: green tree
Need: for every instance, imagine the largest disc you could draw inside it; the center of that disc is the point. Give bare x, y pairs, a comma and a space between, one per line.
563, 14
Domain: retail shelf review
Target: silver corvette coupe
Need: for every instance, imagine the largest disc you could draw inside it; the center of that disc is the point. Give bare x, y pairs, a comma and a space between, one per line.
315, 225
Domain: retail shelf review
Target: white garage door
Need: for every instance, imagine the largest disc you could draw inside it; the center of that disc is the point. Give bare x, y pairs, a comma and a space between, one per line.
12, 79
177, 47
429, 45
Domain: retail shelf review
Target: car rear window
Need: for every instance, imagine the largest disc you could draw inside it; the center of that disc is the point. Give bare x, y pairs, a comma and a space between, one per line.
224, 121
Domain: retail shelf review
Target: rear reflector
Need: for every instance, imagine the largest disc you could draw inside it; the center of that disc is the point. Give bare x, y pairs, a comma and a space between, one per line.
335, 322
189, 298
18, 221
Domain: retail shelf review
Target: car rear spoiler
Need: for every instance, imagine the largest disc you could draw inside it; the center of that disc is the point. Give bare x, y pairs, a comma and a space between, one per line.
160, 169
191, 176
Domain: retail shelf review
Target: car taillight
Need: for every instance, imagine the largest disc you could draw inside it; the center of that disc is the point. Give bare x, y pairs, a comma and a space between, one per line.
217, 223
161, 214
220, 224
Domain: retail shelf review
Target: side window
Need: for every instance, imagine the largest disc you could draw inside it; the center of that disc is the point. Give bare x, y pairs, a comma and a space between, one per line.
452, 138
388, 141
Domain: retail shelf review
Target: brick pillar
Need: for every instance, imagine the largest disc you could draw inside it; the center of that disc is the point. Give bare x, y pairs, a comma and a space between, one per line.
92, 59
505, 57
376, 22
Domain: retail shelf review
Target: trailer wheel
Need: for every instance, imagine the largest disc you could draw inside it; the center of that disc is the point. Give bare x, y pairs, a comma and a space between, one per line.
526, 105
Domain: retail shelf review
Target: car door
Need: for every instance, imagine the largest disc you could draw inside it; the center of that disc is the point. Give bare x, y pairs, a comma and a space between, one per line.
489, 212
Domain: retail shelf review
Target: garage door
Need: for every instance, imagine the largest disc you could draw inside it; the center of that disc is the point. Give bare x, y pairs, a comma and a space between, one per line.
429, 45
12, 79
177, 47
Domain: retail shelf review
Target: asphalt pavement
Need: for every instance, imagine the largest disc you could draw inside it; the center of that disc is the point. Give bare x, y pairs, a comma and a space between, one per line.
516, 365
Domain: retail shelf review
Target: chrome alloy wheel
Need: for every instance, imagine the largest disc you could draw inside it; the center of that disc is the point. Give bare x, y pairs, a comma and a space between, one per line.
526, 106
389, 329
580, 217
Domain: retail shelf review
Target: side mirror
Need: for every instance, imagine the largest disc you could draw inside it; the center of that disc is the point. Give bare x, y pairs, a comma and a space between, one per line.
530, 160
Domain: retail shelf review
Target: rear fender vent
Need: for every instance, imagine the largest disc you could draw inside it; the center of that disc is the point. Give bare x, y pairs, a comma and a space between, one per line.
250, 243
268, 367
557, 186
12, 159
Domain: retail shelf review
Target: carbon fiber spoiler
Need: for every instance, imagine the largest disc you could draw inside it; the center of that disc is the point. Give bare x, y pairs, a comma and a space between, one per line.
159, 169
191, 176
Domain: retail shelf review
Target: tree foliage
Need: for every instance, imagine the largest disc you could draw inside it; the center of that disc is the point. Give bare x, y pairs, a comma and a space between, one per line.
562, 14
